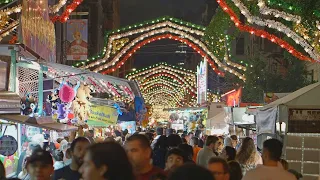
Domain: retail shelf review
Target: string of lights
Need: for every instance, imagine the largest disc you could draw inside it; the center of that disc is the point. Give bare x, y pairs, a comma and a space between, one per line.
262, 33
278, 26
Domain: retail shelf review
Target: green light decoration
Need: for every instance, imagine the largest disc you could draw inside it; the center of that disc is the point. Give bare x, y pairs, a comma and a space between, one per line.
139, 25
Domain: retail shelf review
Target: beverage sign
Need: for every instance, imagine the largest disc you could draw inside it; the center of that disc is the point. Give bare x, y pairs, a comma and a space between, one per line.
37, 30
8, 145
202, 82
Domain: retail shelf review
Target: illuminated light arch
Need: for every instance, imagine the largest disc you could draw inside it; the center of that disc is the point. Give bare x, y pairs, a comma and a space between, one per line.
164, 28
135, 47
189, 88
277, 26
160, 67
162, 85
168, 83
162, 100
167, 72
158, 80
155, 93
262, 33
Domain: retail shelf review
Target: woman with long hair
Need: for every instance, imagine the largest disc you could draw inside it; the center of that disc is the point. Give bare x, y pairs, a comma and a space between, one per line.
248, 156
106, 161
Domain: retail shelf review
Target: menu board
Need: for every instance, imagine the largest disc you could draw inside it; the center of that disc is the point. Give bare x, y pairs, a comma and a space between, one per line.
8, 145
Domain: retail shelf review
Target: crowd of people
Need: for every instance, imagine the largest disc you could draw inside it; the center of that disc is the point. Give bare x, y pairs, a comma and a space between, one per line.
157, 155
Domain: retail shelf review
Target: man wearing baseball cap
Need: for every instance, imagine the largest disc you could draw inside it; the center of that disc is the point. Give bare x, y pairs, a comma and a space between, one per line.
40, 165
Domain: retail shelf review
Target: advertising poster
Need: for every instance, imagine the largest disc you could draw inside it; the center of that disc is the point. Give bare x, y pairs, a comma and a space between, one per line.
77, 37
37, 30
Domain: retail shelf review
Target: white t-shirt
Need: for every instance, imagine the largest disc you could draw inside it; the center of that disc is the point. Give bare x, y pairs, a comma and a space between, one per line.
268, 173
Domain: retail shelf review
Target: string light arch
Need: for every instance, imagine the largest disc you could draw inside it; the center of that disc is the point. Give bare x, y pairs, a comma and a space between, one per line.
257, 32
161, 77
121, 44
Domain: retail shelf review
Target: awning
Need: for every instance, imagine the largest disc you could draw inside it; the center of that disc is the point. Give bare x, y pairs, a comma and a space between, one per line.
218, 121
9, 103
39, 122
305, 97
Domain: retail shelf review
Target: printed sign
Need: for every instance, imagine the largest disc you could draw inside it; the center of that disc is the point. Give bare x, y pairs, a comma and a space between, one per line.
37, 30
8, 145
77, 36
104, 114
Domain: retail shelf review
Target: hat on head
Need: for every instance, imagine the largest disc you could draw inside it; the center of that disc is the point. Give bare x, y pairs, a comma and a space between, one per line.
42, 156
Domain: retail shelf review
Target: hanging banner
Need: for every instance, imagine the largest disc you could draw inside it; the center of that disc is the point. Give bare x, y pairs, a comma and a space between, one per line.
233, 97
103, 114
37, 31
77, 37
202, 83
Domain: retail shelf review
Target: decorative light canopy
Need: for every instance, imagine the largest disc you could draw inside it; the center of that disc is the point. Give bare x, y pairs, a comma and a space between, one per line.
271, 24
139, 35
165, 80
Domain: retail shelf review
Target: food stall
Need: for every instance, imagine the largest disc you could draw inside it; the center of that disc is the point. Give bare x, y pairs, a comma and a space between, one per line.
296, 119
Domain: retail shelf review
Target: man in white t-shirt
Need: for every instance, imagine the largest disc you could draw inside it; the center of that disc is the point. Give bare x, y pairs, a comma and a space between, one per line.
270, 170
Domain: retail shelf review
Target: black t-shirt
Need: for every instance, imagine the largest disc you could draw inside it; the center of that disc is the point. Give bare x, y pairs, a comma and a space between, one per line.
66, 174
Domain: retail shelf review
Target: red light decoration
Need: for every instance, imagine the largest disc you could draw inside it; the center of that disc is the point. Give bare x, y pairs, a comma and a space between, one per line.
165, 36
262, 33
65, 15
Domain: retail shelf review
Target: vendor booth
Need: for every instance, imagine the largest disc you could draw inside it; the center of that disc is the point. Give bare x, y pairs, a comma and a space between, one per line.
296, 118
188, 119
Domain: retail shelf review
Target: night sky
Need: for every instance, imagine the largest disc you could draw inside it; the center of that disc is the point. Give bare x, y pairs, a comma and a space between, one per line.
135, 11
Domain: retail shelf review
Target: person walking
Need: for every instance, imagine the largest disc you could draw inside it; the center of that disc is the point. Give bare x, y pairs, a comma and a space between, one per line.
78, 150
40, 165
248, 156
271, 168
106, 161
139, 152
194, 142
211, 145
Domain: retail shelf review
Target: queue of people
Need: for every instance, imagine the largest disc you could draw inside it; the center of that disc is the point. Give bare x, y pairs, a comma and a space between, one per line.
144, 156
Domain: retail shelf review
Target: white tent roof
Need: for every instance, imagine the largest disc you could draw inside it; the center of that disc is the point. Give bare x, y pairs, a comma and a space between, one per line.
218, 121
307, 97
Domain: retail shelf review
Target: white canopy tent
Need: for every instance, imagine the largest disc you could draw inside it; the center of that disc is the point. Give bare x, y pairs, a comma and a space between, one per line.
217, 124
307, 97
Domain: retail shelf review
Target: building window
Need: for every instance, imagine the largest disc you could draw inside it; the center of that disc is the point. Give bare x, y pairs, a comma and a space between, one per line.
240, 46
